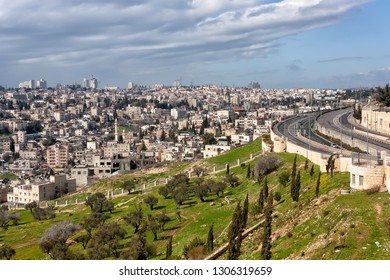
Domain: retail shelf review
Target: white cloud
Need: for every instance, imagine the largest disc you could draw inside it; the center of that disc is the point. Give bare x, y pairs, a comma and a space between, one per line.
168, 32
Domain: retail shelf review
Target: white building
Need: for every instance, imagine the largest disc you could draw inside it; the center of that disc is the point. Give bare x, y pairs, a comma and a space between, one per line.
93, 83
42, 84
27, 84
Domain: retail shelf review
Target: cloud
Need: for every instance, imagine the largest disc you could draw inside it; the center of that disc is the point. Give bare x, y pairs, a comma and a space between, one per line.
143, 34
345, 58
372, 78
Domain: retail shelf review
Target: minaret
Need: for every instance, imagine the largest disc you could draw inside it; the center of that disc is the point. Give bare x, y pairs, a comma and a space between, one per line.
116, 130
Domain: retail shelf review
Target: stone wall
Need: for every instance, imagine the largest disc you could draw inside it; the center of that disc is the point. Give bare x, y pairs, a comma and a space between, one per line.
367, 176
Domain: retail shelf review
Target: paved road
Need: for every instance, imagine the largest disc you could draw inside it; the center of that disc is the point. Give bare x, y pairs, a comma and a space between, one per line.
296, 130
339, 120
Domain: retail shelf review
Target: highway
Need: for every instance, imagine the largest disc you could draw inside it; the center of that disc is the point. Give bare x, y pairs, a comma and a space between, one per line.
340, 120
296, 130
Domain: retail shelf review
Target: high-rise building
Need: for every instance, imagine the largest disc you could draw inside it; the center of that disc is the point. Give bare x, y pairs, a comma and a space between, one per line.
27, 84
130, 85
93, 83
85, 83
57, 155
42, 84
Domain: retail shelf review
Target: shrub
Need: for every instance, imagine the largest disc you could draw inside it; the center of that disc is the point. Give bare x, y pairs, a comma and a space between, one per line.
277, 196
267, 164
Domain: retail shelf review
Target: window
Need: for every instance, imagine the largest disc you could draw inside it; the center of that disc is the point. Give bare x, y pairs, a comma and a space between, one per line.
361, 178
380, 121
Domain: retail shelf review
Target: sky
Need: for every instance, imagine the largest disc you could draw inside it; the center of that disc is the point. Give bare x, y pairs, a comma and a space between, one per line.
280, 44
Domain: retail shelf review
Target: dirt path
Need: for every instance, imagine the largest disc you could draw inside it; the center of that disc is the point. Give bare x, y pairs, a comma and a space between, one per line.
378, 208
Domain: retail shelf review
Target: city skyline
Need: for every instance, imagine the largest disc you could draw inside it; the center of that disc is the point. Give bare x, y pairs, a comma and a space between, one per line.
280, 44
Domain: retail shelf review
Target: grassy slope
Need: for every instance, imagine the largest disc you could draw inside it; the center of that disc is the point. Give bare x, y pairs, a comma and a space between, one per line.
337, 227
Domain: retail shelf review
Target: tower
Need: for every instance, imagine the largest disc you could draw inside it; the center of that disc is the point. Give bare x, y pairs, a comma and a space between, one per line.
116, 130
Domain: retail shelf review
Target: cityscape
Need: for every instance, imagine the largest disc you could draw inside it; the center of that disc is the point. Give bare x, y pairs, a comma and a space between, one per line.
191, 149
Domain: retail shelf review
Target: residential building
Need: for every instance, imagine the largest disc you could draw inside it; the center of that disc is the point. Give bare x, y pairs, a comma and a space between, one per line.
44, 190
57, 155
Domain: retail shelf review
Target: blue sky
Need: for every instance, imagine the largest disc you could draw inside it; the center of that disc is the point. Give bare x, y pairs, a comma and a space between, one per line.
280, 44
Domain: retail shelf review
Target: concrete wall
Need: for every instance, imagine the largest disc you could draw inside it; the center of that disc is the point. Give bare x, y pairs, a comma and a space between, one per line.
371, 176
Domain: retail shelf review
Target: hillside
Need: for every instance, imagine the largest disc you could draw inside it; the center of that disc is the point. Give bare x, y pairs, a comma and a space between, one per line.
334, 226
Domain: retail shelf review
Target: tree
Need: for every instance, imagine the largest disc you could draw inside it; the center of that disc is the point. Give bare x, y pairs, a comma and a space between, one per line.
93, 221
297, 187
151, 200
210, 239
180, 195
200, 191
106, 241
265, 188
164, 191
235, 234
43, 213
129, 185
306, 164
260, 201
384, 95
330, 165
168, 252
134, 218
284, 177
245, 211
266, 238
227, 169
199, 170
248, 171
162, 218
318, 184
209, 139
232, 180
215, 187
293, 175
99, 203
140, 249
153, 226
265, 165
312, 171
7, 217
6, 252
54, 240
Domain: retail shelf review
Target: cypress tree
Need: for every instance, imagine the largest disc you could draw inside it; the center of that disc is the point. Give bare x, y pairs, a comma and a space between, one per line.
227, 169
312, 171
297, 186
306, 164
265, 188
266, 239
245, 211
169, 248
293, 175
248, 171
210, 239
318, 184
261, 200
234, 234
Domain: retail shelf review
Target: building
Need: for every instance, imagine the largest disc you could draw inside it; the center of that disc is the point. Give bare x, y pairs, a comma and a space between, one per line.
93, 83
27, 84
85, 83
44, 190
214, 150
57, 155
41, 84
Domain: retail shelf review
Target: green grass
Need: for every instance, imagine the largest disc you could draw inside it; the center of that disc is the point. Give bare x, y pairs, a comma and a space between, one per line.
4, 136
340, 226
233, 155
10, 176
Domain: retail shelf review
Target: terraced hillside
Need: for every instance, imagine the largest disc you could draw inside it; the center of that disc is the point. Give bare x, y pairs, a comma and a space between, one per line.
332, 226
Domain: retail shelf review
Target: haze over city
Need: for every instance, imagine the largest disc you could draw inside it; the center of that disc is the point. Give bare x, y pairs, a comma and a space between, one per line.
281, 44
